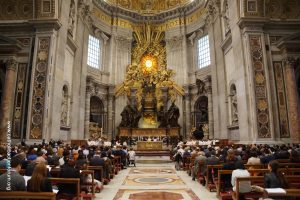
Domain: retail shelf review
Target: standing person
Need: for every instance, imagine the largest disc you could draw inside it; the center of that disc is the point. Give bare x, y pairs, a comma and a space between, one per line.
39, 181
274, 179
131, 154
17, 181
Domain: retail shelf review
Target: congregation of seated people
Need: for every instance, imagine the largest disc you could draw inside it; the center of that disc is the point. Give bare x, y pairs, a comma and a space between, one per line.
31, 166
195, 159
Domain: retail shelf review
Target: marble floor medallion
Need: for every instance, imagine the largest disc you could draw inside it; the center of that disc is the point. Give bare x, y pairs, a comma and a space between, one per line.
154, 182
152, 171
170, 194
139, 180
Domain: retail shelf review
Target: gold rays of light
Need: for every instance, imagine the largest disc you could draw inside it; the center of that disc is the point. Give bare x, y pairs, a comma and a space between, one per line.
149, 64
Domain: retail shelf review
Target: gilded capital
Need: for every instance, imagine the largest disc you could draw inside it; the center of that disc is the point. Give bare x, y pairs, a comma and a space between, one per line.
11, 64
290, 62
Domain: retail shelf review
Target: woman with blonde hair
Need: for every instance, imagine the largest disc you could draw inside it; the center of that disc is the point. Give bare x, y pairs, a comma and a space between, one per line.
39, 181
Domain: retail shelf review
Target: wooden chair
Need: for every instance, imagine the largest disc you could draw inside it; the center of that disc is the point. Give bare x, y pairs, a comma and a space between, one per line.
259, 180
22, 171
211, 176
55, 172
255, 180
68, 181
27, 195
97, 169
283, 160
289, 193
92, 184
223, 194
117, 162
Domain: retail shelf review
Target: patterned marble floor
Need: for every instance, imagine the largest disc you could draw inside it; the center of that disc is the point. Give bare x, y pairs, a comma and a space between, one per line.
154, 180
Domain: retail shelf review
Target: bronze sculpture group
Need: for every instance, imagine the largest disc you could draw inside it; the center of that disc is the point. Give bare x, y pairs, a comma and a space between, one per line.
131, 116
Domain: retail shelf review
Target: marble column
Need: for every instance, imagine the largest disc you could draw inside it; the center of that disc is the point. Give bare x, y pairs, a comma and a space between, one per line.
184, 129
87, 113
210, 107
8, 96
292, 99
110, 114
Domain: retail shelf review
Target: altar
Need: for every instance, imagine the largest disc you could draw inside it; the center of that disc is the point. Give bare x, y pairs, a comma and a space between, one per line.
148, 132
149, 146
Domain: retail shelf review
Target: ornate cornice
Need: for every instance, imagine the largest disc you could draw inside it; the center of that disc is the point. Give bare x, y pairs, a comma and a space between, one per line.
158, 17
213, 11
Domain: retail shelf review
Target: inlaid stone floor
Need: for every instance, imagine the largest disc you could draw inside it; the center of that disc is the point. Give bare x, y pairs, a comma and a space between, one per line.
155, 179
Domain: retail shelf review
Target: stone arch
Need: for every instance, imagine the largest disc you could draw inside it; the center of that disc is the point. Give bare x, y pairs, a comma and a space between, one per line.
96, 109
201, 111
97, 116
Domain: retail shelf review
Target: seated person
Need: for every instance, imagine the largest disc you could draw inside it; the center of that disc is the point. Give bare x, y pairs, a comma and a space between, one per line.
274, 179
81, 160
68, 170
87, 179
229, 164
17, 181
294, 157
97, 161
3, 159
39, 181
240, 171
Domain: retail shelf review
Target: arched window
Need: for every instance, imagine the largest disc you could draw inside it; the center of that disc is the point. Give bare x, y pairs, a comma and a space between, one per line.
64, 119
234, 108
201, 111
97, 113
203, 52
94, 52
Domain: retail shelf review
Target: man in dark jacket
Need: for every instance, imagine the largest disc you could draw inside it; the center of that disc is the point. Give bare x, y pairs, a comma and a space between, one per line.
97, 161
68, 170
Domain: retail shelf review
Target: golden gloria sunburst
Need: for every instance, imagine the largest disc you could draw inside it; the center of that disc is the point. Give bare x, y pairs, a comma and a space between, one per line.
149, 64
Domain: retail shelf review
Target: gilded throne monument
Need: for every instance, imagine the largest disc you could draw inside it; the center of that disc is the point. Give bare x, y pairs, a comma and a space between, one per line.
151, 91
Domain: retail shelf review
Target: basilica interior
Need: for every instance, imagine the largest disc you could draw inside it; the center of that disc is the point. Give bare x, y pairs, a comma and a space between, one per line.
150, 74
69, 68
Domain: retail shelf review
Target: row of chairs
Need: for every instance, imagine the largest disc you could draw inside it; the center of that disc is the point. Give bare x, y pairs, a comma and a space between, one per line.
55, 180
214, 173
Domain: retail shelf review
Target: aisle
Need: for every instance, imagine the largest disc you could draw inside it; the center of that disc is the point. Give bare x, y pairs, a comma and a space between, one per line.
154, 178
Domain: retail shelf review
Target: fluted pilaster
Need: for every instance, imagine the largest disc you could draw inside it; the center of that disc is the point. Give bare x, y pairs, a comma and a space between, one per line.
293, 98
8, 96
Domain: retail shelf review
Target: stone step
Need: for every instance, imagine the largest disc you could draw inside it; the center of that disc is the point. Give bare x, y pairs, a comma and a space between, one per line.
153, 153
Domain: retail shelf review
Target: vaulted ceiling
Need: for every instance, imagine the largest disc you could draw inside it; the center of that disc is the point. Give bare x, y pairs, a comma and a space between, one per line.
149, 10
149, 7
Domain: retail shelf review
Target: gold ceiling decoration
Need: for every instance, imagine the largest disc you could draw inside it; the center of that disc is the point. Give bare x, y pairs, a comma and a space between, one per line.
148, 6
149, 49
